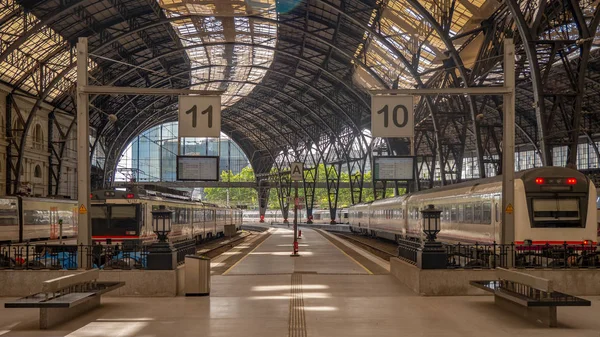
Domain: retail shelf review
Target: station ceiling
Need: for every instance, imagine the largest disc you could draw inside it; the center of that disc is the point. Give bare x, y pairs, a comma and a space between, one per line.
296, 73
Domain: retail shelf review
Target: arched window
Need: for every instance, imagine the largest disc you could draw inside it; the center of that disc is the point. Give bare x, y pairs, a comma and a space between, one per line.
37, 172
38, 137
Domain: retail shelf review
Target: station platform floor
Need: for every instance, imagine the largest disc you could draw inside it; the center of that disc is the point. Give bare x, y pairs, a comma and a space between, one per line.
331, 290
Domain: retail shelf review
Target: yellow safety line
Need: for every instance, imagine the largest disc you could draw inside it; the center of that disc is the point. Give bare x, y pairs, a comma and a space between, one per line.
350, 257
244, 257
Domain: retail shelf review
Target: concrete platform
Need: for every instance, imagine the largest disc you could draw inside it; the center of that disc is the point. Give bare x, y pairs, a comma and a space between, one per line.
317, 255
268, 293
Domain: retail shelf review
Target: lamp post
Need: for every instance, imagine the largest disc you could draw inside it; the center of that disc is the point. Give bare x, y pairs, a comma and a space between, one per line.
432, 254
161, 255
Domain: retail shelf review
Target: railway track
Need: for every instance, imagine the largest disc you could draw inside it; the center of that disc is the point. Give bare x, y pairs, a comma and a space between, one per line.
384, 250
217, 248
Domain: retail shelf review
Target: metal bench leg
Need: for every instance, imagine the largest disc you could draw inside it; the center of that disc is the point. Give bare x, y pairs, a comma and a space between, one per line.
544, 315
50, 317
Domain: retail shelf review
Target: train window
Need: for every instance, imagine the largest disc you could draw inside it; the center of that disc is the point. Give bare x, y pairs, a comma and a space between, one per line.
31, 217
469, 213
487, 213
454, 213
477, 212
99, 214
123, 216
556, 213
446, 214
461, 213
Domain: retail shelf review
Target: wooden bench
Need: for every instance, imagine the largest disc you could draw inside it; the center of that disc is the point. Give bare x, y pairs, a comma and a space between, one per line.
66, 297
530, 296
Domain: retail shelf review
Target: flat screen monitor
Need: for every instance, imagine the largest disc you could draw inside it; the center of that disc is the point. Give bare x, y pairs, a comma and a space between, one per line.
198, 168
394, 168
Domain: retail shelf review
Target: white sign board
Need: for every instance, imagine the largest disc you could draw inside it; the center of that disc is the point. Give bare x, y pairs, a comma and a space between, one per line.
393, 168
392, 116
297, 171
200, 116
198, 168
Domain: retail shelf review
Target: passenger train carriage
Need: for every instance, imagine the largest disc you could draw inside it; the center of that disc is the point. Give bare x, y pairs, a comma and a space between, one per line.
552, 205
24, 218
119, 215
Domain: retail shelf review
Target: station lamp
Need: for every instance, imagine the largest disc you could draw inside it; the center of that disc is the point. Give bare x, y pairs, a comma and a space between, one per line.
161, 222
432, 254
431, 222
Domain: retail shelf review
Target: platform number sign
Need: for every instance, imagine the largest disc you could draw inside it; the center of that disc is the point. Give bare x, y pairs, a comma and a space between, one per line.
297, 171
392, 116
199, 116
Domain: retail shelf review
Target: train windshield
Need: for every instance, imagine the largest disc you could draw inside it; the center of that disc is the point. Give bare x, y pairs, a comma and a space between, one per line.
114, 220
557, 213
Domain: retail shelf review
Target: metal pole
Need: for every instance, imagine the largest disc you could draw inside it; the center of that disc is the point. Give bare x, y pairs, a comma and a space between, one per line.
84, 236
508, 148
295, 219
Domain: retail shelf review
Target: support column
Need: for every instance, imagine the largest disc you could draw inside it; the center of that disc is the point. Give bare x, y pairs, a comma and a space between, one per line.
508, 147
84, 236
9, 134
263, 199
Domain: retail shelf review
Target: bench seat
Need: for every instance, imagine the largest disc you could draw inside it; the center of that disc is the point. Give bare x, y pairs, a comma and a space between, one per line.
555, 298
529, 296
66, 297
41, 300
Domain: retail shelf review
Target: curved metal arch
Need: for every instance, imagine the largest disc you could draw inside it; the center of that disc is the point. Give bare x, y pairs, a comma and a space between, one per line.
35, 29
236, 108
168, 118
461, 69
407, 64
279, 91
333, 103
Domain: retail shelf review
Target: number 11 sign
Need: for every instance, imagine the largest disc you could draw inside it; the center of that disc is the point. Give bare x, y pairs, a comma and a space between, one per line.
392, 116
199, 116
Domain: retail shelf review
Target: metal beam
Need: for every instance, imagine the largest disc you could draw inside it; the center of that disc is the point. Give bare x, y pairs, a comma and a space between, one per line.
111, 90
445, 91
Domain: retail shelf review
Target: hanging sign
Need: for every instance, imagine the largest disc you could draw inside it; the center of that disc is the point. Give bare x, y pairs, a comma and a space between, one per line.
392, 116
297, 170
200, 116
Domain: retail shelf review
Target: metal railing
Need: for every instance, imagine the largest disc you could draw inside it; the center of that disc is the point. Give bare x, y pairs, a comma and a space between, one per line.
489, 256
407, 250
184, 248
30, 256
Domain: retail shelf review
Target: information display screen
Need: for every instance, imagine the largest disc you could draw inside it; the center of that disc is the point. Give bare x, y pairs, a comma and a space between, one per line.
198, 168
394, 168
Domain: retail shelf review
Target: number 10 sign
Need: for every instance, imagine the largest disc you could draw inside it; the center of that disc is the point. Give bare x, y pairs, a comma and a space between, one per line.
199, 116
392, 116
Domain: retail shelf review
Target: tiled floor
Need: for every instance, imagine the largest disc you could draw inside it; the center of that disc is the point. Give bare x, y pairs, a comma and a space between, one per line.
255, 297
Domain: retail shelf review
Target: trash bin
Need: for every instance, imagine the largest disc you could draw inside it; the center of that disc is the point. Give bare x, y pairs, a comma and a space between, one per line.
197, 275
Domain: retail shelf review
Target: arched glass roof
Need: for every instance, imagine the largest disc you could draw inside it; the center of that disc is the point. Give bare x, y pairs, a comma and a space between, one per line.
227, 37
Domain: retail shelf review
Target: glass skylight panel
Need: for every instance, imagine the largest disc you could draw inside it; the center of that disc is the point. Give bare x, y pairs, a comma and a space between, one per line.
223, 34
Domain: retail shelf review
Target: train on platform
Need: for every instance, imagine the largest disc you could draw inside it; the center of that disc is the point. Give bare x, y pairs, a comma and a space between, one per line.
320, 216
552, 205
25, 219
125, 214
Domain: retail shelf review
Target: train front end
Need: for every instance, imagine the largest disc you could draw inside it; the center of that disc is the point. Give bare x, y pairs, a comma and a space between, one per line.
117, 217
560, 208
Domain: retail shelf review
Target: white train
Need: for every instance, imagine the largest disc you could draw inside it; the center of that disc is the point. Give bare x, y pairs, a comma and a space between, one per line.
119, 215
321, 216
552, 205
24, 219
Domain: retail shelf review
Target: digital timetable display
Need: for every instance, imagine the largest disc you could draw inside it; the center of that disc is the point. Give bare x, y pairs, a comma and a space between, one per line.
198, 168
394, 168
